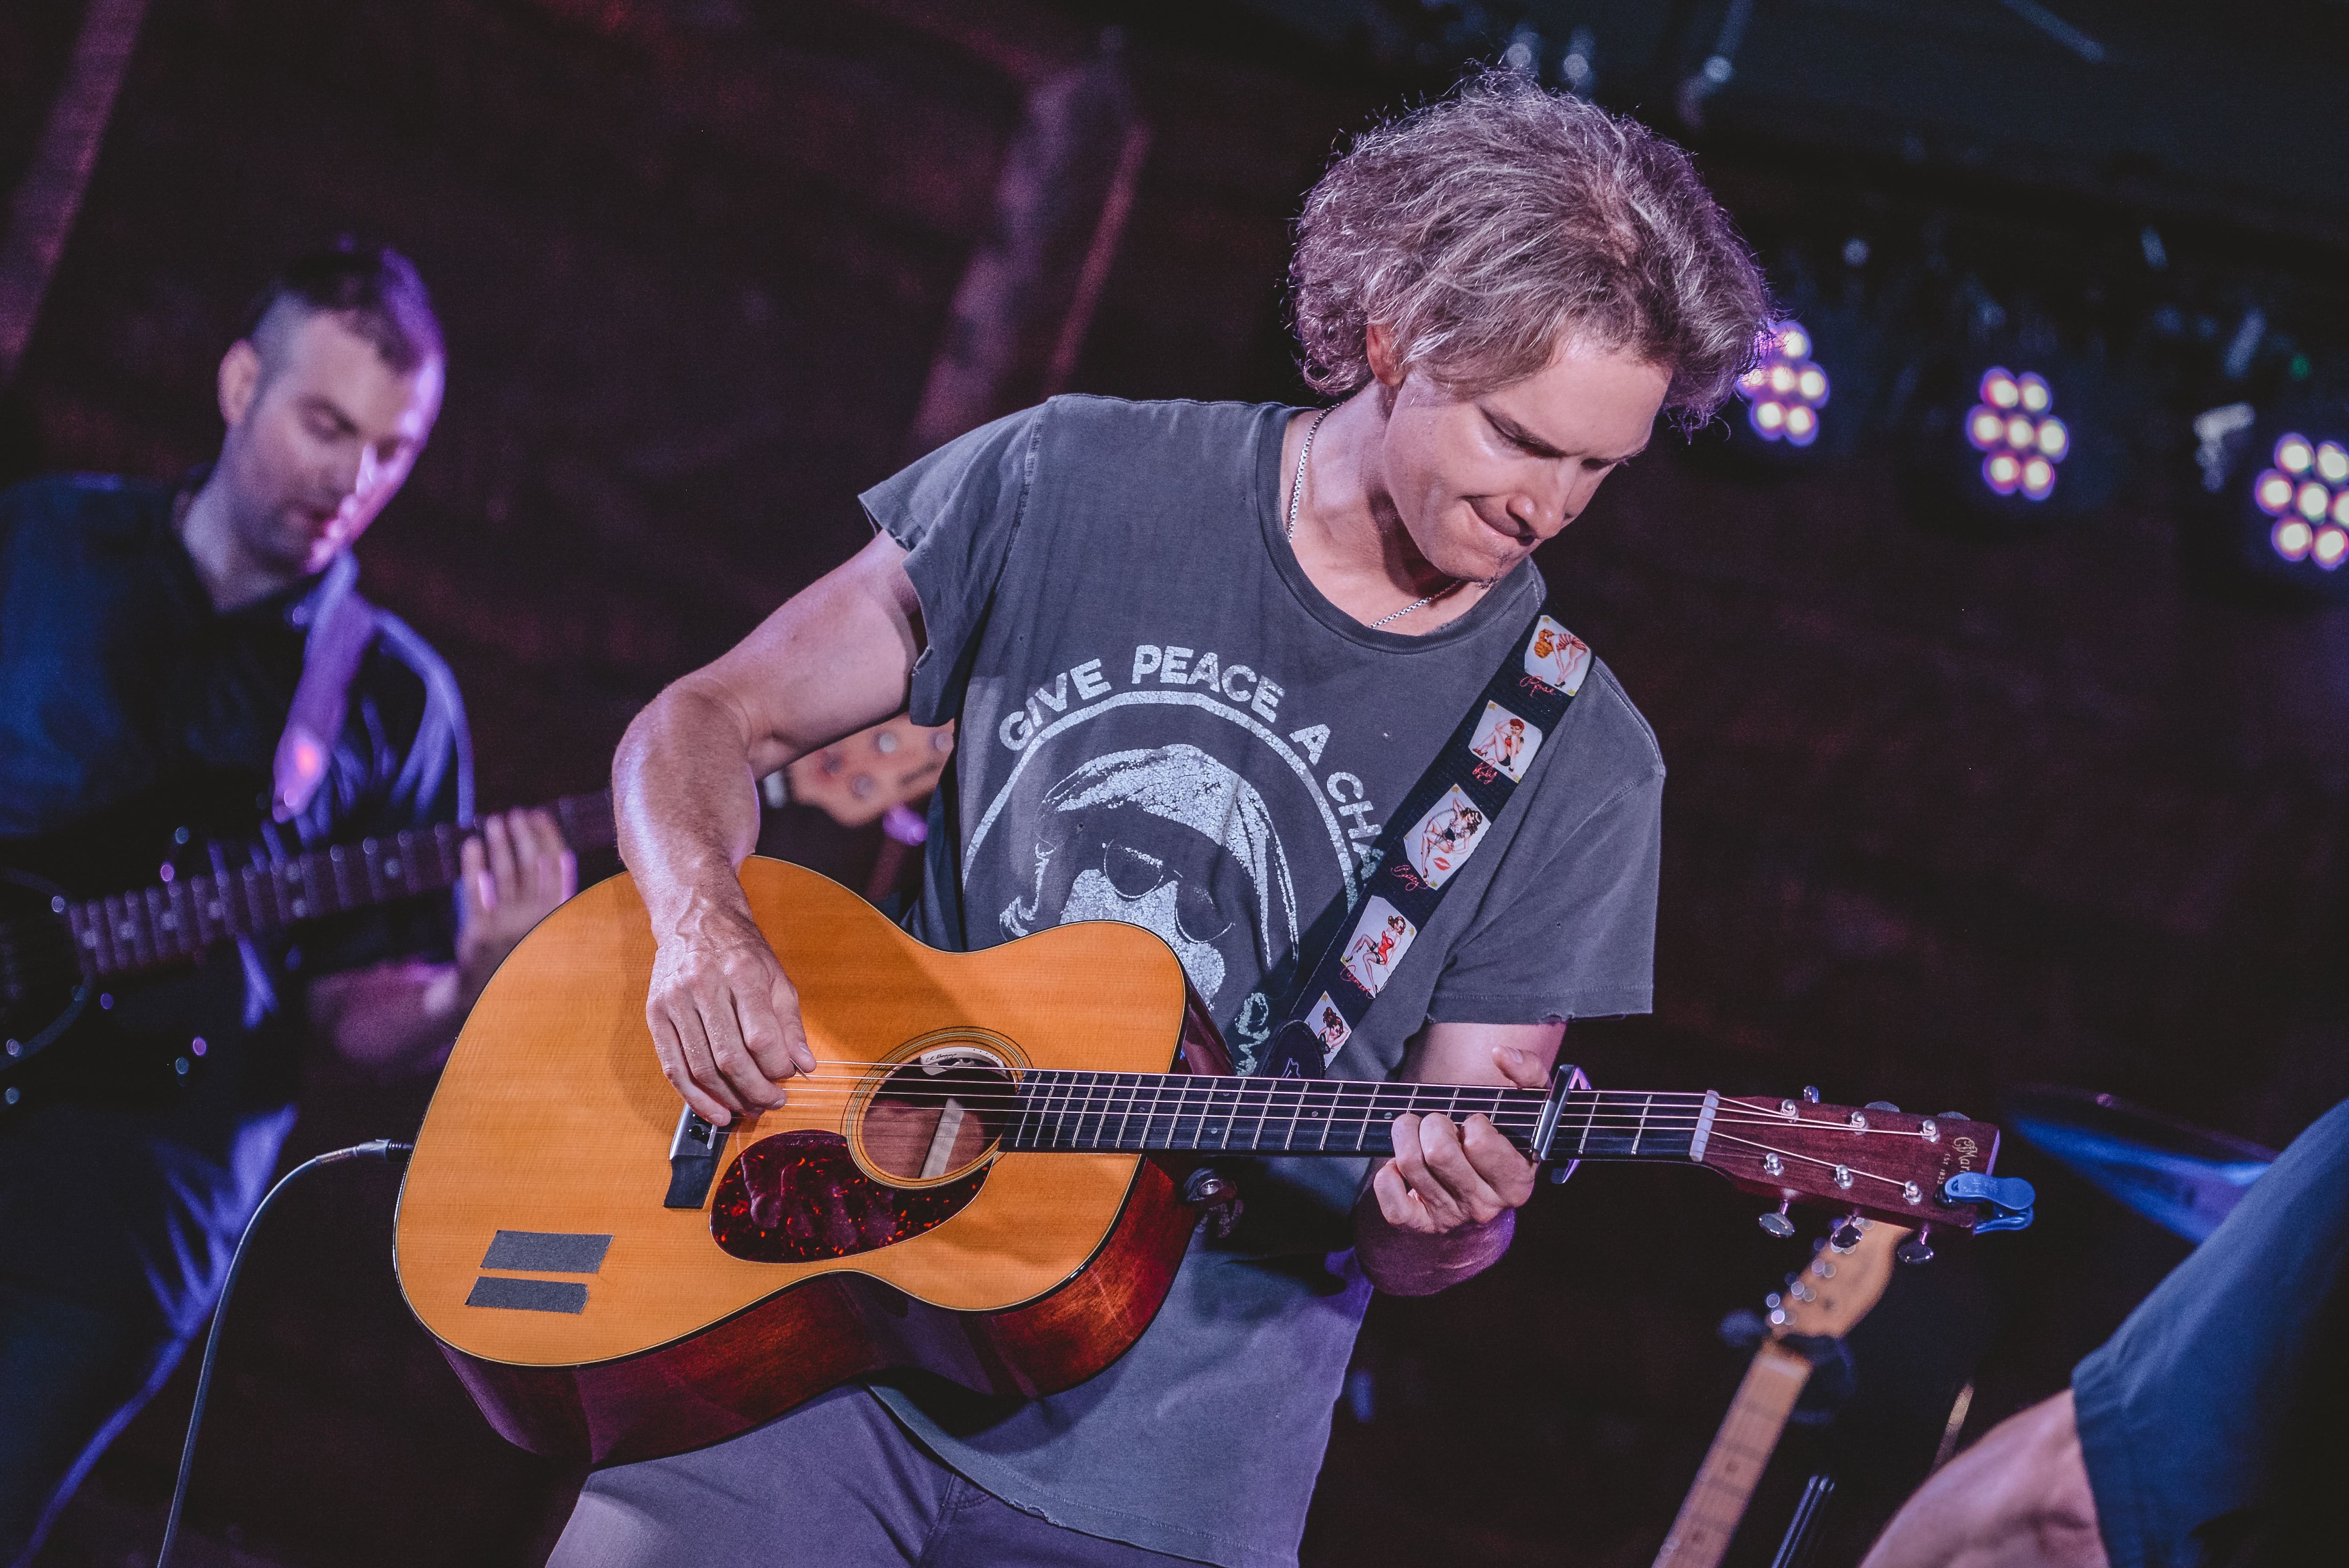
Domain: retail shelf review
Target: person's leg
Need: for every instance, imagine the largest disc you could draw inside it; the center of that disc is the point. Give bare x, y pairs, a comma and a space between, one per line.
71, 1377
2183, 1413
834, 1482
981, 1531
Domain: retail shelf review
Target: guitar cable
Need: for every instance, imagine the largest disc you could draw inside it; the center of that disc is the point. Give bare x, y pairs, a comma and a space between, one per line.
387, 1149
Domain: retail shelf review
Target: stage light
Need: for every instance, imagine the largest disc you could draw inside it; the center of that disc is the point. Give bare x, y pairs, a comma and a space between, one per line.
1785, 392
2021, 442
2307, 493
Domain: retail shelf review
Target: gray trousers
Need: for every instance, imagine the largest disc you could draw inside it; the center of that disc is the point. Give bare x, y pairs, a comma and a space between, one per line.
836, 1483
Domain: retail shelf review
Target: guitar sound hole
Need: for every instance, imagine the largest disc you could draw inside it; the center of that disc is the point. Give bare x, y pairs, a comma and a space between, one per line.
925, 1124
800, 1198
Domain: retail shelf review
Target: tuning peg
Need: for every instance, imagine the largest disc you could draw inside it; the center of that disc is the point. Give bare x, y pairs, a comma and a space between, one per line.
1811, 1093
1845, 1235
1775, 1220
1883, 1105
1917, 1249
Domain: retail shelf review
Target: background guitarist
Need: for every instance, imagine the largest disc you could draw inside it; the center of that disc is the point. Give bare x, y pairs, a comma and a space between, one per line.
1197, 653
151, 638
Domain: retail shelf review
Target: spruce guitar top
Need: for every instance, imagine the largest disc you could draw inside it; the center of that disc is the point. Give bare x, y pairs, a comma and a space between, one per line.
985, 1177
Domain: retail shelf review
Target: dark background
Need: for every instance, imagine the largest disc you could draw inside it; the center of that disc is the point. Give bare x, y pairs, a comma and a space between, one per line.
1957, 803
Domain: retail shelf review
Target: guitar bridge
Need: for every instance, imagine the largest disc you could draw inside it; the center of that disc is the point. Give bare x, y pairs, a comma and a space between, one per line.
693, 1156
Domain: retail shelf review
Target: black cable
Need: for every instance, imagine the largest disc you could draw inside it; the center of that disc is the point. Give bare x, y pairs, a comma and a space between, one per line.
383, 1148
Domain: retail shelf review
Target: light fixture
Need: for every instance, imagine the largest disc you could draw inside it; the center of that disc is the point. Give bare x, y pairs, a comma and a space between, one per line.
2019, 436
2307, 493
1785, 390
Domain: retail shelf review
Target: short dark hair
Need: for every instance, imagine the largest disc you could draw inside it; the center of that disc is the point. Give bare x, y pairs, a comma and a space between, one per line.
374, 288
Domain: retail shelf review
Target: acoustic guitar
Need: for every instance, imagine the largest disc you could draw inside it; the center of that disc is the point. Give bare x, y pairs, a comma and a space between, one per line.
991, 1174
1827, 1297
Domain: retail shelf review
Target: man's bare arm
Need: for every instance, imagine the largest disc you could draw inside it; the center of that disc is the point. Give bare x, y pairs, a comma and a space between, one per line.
1444, 1209
2018, 1499
838, 656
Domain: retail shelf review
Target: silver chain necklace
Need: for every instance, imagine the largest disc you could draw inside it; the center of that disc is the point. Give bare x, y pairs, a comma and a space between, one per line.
1297, 496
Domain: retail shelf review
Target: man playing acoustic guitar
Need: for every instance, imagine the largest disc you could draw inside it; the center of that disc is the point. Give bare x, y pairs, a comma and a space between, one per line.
1199, 653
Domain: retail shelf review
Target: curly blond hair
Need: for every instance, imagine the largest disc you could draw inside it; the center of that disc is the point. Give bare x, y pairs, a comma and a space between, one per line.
1486, 227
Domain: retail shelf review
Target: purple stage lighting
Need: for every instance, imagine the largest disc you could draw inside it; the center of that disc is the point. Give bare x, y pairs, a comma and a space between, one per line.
2020, 437
2307, 493
1785, 390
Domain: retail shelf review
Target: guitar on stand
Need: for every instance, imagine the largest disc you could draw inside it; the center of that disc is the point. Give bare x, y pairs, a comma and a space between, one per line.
992, 1172
1844, 1280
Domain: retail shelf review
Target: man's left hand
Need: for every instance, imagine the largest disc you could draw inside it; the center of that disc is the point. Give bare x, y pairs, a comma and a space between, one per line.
515, 873
1444, 1177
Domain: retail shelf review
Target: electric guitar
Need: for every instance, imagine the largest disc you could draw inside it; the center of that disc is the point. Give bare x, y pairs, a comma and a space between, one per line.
75, 926
1827, 1297
991, 1174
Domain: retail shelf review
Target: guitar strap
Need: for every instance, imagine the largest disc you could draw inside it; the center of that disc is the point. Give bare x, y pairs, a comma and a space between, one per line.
342, 623
1441, 823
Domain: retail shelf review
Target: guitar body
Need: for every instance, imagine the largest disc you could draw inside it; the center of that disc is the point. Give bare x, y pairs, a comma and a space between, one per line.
57, 1034
868, 1224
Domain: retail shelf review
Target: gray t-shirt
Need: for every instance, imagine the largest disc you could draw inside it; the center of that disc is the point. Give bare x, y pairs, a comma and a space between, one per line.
1164, 722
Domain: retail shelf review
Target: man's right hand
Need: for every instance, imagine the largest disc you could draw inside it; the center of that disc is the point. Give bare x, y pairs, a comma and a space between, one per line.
725, 1018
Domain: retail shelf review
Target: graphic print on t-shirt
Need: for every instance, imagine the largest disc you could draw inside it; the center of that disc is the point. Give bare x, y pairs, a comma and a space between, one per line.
1183, 812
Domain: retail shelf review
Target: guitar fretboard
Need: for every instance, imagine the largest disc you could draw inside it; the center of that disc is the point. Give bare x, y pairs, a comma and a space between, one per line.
168, 921
1138, 1112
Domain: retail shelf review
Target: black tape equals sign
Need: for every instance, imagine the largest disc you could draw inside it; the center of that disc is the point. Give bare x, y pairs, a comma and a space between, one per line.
539, 1251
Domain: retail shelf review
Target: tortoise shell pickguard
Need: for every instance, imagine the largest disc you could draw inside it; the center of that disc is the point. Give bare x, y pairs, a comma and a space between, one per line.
800, 1198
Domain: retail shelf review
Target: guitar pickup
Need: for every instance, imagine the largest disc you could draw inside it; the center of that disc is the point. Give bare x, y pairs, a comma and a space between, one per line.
693, 1156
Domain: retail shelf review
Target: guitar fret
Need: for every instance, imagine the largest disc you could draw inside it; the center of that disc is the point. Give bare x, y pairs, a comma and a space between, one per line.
162, 927
1097, 1095
180, 918
1263, 1109
1150, 1118
1128, 1093
98, 939
130, 931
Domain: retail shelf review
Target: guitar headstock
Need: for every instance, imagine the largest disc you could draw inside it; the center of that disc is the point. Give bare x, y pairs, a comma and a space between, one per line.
856, 779
1908, 1171
1837, 1288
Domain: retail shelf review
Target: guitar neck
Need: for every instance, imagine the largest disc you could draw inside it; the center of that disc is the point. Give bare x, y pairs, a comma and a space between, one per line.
1078, 1112
1733, 1465
171, 920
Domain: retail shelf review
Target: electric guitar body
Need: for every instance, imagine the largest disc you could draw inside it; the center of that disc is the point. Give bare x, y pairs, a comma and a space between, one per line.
1006, 1272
